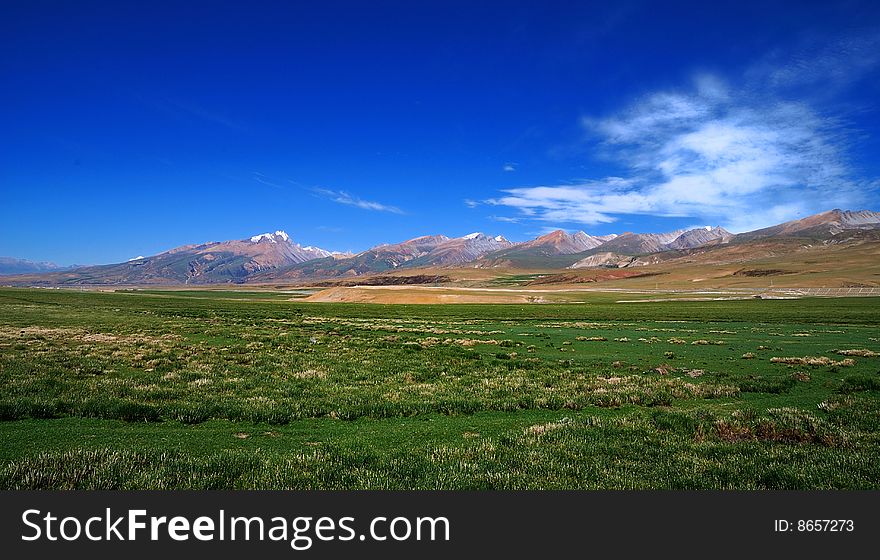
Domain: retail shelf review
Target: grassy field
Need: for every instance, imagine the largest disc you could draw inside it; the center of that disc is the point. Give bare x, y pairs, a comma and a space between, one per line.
243, 389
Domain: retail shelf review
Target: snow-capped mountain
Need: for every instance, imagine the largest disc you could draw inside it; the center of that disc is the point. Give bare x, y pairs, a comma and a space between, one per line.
461, 250
9, 265
561, 243
826, 225
279, 235
700, 236
436, 250
622, 250
286, 249
274, 256
213, 262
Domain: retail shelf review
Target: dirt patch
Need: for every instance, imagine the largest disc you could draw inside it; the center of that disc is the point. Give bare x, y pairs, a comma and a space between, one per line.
784, 425
389, 281
591, 277
417, 295
760, 272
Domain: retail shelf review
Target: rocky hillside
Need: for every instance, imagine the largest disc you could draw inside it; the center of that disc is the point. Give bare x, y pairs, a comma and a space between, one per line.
274, 257
427, 251
9, 266
207, 263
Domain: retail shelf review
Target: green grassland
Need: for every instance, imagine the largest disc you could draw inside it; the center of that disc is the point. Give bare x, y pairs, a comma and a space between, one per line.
236, 389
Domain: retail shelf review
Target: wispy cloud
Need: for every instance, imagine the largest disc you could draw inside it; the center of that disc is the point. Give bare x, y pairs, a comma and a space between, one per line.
330, 229
342, 197
209, 115
509, 167
504, 219
719, 154
189, 109
470, 203
834, 63
260, 178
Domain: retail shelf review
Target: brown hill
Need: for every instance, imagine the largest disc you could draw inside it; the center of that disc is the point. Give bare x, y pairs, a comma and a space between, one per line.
820, 226
273, 258
207, 263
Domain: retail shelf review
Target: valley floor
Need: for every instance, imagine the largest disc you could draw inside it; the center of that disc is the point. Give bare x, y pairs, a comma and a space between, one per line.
243, 389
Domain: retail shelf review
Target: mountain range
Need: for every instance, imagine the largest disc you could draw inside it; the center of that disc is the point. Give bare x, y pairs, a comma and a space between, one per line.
10, 266
275, 257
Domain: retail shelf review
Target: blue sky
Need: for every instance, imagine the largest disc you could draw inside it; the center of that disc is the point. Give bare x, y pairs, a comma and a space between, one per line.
130, 128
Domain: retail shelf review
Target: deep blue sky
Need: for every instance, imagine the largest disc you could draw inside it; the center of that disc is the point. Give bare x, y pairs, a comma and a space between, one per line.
132, 127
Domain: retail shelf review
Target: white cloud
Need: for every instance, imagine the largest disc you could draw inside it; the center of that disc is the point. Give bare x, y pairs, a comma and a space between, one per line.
260, 178
509, 167
833, 63
470, 203
504, 219
342, 197
712, 153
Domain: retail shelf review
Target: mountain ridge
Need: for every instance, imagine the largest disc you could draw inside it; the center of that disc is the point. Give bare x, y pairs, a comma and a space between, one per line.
274, 256
12, 265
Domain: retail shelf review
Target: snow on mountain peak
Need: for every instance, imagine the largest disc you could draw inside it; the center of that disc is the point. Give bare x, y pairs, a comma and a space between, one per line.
273, 237
474, 235
859, 217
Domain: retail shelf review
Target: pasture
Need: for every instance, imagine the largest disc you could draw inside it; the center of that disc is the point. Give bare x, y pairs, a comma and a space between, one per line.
225, 389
